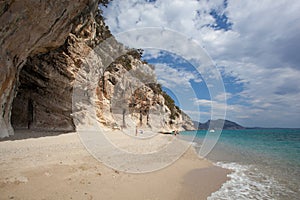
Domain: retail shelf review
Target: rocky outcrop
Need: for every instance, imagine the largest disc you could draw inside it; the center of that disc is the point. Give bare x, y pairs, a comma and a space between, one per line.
130, 96
46, 80
29, 28
43, 54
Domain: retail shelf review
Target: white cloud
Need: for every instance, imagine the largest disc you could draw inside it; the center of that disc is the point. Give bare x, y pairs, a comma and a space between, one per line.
223, 96
175, 77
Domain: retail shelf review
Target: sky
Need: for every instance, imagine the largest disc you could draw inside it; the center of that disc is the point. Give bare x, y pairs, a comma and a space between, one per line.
254, 47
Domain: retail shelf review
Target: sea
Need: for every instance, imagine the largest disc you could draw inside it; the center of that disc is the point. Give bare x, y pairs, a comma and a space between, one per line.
264, 163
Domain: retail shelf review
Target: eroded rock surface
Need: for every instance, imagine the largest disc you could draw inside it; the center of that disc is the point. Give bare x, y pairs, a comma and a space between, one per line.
29, 28
130, 97
33, 34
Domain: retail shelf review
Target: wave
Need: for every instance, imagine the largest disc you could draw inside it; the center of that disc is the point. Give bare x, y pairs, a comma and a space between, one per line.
248, 182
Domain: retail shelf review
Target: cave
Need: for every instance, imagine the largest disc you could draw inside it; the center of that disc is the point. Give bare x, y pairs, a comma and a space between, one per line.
41, 50
44, 96
22, 111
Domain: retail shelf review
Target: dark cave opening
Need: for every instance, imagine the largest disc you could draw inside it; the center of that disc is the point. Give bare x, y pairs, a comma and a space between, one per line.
44, 97
22, 111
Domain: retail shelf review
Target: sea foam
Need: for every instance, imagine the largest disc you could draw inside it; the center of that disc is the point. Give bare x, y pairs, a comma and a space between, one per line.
247, 183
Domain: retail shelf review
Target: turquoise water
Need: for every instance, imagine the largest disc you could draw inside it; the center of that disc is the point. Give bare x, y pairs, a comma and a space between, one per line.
265, 162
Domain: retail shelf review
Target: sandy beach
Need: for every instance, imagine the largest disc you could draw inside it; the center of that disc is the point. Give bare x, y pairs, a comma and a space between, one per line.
58, 166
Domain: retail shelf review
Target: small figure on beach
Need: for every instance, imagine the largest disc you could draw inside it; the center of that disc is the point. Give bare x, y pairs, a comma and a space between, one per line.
176, 132
136, 130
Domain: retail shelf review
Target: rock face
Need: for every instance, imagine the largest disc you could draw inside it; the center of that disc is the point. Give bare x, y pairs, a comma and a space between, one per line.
42, 54
29, 28
130, 96
46, 81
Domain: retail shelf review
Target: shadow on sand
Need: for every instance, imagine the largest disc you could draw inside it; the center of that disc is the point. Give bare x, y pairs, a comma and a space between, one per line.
26, 134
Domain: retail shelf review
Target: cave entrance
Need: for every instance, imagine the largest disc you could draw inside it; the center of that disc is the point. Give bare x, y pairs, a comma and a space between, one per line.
22, 111
44, 97
30, 113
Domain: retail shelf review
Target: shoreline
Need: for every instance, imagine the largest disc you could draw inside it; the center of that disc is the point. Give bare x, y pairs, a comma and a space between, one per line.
59, 167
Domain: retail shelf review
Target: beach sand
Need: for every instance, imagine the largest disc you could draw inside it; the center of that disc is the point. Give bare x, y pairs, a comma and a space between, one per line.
57, 166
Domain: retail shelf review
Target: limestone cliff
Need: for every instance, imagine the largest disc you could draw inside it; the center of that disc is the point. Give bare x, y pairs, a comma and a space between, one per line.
44, 99
30, 28
130, 96
42, 53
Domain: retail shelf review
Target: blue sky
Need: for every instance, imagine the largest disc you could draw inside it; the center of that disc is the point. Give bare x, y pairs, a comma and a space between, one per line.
254, 45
